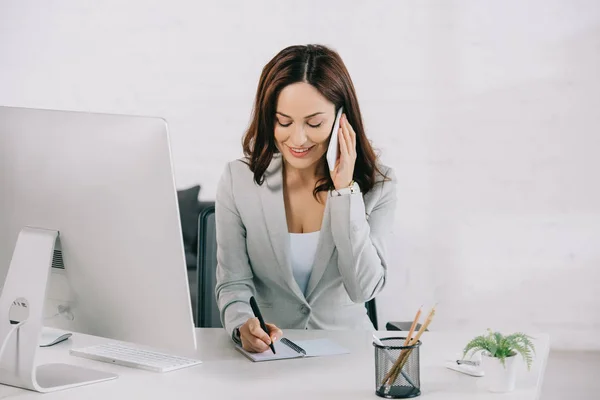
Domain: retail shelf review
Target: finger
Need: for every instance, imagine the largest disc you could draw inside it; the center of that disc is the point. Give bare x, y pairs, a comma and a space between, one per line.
343, 146
274, 332
255, 345
258, 344
350, 137
257, 331
346, 129
352, 134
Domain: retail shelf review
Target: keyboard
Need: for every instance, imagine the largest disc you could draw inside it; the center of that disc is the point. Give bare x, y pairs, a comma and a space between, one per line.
134, 357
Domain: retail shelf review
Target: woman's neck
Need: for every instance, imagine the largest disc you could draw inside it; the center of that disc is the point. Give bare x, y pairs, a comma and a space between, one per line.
294, 177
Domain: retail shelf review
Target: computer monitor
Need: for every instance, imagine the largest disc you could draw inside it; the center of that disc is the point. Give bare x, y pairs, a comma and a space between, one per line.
105, 182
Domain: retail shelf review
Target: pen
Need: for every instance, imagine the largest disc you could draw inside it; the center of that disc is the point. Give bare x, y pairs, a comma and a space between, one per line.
258, 315
468, 362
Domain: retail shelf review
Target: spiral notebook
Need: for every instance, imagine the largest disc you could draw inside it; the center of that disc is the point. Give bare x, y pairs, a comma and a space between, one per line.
286, 349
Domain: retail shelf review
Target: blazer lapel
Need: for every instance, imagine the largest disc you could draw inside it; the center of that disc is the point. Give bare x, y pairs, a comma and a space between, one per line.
273, 207
324, 252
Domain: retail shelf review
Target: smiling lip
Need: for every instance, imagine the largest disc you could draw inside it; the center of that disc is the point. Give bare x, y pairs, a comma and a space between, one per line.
300, 154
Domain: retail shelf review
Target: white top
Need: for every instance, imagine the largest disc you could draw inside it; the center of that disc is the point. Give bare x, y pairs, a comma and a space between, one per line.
303, 250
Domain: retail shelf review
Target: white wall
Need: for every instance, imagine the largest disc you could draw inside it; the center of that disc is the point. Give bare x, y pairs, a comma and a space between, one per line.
487, 110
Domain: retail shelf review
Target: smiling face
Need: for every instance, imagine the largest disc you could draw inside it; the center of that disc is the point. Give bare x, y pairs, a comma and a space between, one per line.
303, 122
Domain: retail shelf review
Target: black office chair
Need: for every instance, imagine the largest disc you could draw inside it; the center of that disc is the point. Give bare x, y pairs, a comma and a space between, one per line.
401, 326
207, 311
372, 312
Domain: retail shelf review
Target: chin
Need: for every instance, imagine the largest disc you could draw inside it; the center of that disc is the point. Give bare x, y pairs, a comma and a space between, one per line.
299, 163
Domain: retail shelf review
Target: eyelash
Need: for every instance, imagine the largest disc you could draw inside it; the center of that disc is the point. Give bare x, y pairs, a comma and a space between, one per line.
312, 126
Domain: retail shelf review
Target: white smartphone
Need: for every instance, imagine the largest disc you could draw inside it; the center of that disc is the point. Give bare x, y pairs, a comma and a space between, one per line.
332, 150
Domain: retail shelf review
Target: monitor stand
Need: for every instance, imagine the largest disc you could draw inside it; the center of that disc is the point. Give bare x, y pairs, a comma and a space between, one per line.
25, 291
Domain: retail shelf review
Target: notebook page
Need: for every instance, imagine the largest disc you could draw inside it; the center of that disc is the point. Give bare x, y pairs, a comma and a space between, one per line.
321, 347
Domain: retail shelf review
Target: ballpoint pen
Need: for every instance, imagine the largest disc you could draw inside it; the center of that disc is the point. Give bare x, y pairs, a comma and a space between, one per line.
258, 315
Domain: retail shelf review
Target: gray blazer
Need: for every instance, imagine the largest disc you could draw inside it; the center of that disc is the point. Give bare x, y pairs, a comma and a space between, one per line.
253, 256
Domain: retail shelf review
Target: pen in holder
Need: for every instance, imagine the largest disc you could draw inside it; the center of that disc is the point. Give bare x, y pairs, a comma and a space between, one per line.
397, 369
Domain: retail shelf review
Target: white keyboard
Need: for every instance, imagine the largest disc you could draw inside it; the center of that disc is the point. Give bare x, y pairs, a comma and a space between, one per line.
134, 357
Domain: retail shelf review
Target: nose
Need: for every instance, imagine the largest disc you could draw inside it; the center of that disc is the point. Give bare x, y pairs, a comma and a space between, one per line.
298, 137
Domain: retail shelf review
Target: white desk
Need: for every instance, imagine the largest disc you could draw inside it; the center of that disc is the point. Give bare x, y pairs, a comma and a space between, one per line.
227, 374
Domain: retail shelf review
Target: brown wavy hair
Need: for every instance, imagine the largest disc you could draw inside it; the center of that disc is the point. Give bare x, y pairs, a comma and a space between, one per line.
324, 69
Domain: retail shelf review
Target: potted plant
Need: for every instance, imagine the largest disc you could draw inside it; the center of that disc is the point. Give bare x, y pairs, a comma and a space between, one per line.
498, 357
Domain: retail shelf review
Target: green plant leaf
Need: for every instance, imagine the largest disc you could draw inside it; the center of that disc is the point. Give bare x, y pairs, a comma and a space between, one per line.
501, 347
494, 343
523, 344
479, 343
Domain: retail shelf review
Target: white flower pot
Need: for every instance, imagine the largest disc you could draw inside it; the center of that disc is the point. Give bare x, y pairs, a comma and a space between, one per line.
499, 378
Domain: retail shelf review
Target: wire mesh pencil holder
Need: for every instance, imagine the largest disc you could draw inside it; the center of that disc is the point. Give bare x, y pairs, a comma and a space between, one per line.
397, 369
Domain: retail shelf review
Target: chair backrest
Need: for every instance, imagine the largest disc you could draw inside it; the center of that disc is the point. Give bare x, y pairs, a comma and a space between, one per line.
207, 311
372, 312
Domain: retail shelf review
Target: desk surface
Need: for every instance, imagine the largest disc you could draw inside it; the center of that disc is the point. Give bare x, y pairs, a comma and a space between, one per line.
227, 374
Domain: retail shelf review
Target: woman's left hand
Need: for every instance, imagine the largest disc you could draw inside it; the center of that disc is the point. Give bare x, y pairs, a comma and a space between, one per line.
344, 167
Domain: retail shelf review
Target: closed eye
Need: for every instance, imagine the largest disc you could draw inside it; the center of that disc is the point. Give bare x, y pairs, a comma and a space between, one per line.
284, 125
315, 126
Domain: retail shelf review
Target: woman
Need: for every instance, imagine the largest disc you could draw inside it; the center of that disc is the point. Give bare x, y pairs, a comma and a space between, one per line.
307, 242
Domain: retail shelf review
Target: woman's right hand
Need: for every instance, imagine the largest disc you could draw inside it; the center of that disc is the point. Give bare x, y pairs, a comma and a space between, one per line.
255, 339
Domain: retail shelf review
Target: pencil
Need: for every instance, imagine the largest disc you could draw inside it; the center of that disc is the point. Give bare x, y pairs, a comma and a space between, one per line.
410, 341
406, 341
413, 326
413, 341
423, 327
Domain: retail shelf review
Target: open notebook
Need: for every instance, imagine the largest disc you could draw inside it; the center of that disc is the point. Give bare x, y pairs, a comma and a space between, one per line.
285, 349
